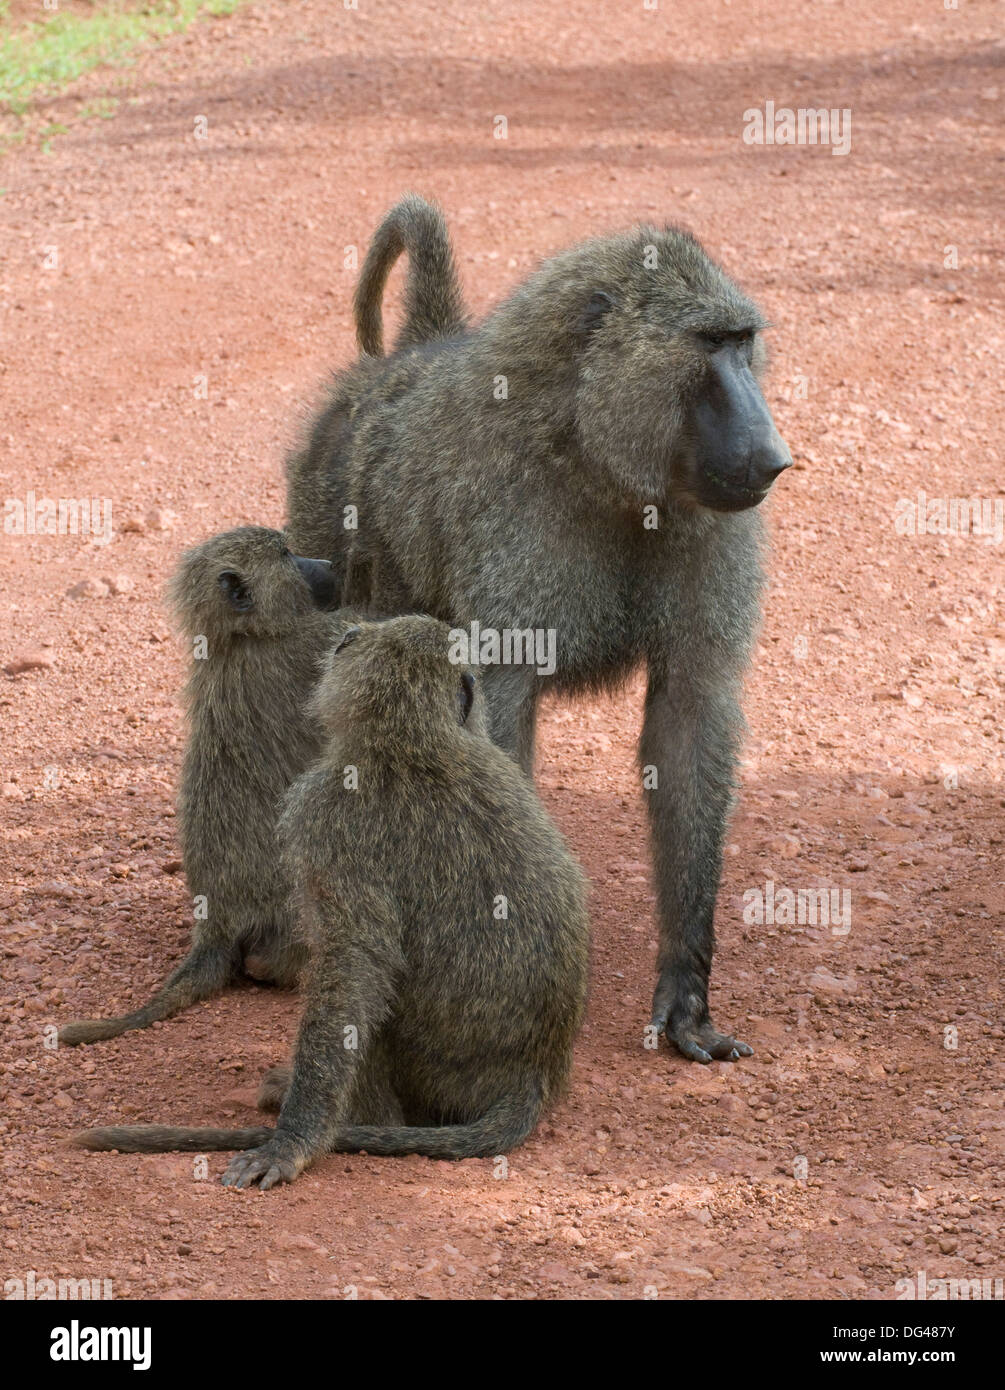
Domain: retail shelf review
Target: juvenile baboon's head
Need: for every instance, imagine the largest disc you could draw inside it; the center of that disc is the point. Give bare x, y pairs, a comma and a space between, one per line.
394, 683
668, 357
247, 582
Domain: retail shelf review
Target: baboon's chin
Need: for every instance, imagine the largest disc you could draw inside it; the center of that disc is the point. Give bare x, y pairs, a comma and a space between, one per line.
720, 496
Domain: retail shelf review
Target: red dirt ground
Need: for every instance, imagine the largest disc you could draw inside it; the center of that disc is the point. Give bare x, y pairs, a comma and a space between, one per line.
876, 751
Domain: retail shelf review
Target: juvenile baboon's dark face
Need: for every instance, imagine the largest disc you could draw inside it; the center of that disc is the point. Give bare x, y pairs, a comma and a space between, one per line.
669, 395
248, 581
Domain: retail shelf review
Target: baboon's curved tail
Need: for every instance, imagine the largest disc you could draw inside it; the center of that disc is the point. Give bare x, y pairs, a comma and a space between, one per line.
500, 1129
203, 973
434, 307
160, 1139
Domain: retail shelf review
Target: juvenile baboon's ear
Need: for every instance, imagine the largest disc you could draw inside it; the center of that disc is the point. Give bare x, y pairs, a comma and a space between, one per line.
235, 591
466, 696
600, 304
350, 635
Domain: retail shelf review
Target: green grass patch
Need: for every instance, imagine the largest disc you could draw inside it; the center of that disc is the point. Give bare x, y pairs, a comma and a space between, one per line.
104, 108
53, 51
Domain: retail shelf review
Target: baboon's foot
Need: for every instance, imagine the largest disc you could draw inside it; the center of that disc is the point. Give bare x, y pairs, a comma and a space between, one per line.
699, 1041
260, 968
272, 1091
281, 1159
281, 968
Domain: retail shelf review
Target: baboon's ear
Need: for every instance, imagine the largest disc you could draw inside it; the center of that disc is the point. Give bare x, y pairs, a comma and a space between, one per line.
350, 635
466, 696
235, 591
600, 304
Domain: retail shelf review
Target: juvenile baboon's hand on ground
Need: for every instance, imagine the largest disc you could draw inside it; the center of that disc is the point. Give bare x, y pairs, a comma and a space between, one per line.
282, 1159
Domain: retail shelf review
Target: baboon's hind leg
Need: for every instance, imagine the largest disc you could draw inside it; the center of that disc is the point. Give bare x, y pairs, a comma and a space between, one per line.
277, 962
272, 1091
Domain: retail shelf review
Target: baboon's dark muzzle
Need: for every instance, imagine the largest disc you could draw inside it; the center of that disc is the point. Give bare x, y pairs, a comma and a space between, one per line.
739, 452
320, 579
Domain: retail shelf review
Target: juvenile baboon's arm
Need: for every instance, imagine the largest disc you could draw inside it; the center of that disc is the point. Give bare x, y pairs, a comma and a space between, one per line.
351, 989
688, 753
511, 698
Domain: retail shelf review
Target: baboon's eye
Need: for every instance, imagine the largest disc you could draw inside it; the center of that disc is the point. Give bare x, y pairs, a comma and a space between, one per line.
235, 591
712, 341
599, 306
465, 696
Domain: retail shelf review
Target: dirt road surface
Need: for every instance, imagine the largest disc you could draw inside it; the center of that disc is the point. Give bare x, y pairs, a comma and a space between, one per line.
170, 307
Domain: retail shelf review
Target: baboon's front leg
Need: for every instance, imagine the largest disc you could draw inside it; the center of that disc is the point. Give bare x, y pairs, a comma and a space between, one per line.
688, 754
351, 993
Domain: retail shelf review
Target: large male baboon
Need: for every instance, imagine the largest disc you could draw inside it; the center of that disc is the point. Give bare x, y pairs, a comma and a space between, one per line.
250, 609
446, 921
589, 461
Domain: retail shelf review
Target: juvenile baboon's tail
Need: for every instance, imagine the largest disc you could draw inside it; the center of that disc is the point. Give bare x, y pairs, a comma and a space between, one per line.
500, 1129
203, 973
434, 307
160, 1139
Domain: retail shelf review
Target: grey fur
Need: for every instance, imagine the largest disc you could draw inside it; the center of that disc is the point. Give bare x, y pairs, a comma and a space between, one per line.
433, 1022
249, 737
526, 509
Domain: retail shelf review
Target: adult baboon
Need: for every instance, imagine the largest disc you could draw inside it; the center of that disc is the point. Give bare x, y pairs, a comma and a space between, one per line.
250, 608
446, 921
587, 461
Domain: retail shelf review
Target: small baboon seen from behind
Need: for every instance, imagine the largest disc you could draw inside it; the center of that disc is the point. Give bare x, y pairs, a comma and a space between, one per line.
252, 612
446, 922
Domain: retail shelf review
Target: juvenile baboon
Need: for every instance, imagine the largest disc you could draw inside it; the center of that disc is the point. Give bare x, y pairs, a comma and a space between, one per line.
251, 611
446, 922
588, 461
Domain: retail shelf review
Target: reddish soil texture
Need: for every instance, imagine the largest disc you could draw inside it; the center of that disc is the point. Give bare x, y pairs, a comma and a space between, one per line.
876, 749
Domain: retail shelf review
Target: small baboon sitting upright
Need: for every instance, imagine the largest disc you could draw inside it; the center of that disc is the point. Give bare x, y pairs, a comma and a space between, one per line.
251, 610
446, 922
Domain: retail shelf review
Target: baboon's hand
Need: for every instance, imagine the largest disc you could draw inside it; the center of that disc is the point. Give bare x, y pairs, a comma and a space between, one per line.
699, 1042
280, 1160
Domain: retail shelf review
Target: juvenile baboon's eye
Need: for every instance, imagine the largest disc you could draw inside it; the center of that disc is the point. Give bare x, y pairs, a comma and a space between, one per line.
712, 341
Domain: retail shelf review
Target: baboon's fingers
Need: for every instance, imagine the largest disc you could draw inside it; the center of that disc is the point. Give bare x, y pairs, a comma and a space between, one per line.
273, 1163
